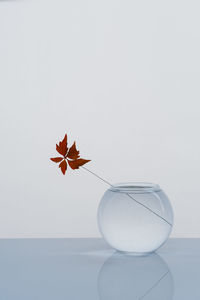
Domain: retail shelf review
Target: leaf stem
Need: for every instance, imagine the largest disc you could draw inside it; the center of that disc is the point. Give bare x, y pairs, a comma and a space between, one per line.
128, 195
97, 176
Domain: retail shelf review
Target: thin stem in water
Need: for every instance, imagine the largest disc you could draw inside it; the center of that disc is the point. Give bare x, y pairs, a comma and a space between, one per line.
127, 195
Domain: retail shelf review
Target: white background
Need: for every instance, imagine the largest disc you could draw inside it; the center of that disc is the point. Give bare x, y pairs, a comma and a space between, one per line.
122, 79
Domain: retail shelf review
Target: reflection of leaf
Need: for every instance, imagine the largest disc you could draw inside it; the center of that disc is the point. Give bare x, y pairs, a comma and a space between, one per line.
71, 155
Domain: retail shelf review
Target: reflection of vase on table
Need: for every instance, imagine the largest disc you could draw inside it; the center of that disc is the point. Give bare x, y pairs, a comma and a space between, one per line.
128, 277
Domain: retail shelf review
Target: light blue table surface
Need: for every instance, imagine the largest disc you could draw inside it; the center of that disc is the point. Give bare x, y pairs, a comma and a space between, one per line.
89, 269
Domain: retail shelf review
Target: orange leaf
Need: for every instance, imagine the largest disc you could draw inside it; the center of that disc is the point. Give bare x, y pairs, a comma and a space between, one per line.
75, 164
73, 152
70, 156
56, 159
62, 146
63, 166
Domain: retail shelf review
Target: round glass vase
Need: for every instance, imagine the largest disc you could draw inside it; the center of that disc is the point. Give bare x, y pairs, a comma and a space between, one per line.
135, 217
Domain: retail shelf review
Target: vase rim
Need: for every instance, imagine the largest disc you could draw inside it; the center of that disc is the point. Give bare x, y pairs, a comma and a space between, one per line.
135, 187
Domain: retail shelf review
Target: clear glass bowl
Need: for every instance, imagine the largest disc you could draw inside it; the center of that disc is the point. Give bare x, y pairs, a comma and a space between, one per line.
135, 217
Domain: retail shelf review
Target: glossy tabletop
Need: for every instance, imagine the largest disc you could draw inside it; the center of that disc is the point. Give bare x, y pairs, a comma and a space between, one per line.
77, 269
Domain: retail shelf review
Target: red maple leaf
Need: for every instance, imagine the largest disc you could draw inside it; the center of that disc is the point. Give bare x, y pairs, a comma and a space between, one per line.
70, 156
